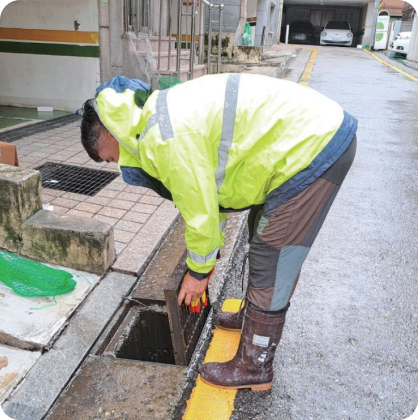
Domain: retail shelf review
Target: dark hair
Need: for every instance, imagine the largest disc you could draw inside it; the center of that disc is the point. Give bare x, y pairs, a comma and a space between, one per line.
91, 127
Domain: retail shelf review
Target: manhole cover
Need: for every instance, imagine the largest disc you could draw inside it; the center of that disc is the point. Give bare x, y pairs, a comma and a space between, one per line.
69, 178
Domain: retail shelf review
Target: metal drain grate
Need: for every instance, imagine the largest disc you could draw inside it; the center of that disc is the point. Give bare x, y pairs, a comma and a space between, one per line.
10, 136
185, 326
74, 179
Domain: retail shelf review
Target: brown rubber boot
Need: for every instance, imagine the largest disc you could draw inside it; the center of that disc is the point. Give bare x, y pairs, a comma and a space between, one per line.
252, 367
230, 321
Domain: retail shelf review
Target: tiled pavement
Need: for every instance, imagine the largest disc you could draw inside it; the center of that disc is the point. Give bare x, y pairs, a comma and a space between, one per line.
138, 215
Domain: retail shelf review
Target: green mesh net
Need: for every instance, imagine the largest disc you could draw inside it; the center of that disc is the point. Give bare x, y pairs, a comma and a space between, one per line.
32, 279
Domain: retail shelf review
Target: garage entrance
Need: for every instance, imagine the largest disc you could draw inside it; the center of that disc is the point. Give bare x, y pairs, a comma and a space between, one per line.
318, 13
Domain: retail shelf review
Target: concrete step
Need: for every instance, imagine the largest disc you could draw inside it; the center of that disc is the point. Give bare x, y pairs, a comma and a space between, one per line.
142, 43
185, 54
198, 70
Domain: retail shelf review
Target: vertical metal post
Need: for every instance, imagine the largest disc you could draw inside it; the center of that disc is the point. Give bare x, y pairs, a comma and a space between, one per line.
150, 15
137, 20
221, 10
169, 35
159, 35
192, 39
126, 23
287, 34
279, 29
201, 31
210, 37
179, 23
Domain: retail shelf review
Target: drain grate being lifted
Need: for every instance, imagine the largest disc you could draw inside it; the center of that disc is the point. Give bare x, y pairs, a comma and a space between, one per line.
74, 179
155, 328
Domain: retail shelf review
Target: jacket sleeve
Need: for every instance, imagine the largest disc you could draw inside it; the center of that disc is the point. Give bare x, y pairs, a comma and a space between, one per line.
187, 171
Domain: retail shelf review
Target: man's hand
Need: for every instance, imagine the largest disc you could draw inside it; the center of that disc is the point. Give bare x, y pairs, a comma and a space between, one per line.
191, 289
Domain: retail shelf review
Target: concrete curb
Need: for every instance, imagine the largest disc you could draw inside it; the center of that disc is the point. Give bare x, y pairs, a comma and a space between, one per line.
406, 65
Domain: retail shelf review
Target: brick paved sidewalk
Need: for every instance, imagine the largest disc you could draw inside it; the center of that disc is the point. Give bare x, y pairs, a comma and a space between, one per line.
140, 218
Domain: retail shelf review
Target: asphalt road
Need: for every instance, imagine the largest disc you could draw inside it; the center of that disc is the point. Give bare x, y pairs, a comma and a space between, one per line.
350, 345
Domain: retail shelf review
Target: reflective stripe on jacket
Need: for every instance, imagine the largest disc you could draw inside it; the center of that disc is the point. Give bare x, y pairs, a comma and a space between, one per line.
224, 142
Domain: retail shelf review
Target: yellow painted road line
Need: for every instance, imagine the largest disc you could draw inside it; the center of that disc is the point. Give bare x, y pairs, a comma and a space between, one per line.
45, 35
208, 402
415, 79
308, 68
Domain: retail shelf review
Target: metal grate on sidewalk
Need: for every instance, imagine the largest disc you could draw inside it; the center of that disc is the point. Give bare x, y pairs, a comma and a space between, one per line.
185, 326
70, 178
14, 134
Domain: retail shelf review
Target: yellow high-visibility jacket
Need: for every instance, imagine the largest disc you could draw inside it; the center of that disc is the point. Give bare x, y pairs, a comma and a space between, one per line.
221, 143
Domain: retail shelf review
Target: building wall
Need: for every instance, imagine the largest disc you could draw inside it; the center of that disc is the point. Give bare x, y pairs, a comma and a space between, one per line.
49, 53
252, 8
394, 7
368, 37
117, 52
413, 47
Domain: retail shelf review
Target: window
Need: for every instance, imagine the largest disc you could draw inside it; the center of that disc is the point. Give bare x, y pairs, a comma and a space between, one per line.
338, 24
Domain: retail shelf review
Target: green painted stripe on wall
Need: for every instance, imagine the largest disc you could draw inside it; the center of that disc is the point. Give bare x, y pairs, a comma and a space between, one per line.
68, 50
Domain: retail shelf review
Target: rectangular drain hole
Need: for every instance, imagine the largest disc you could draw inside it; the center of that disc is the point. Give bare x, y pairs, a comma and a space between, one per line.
144, 335
74, 179
155, 328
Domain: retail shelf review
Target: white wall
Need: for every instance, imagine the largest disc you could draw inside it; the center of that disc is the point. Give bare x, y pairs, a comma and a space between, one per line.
413, 47
50, 14
251, 8
63, 82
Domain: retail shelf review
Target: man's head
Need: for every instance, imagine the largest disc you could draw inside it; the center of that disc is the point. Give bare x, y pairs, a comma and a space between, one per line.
96, 139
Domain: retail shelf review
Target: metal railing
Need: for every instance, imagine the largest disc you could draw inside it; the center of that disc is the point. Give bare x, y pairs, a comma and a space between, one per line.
138, 17
211, 22
192, 14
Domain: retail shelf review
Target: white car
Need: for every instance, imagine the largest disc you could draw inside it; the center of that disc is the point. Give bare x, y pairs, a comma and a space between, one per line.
401, 43
337, 32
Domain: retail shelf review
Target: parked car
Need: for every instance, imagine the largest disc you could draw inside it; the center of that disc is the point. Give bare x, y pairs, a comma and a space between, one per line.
301, 31
401, 43
337, 32
393, 40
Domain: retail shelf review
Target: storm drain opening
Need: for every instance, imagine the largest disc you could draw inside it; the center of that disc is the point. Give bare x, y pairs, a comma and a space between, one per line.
155, 328
144, 335
74, 179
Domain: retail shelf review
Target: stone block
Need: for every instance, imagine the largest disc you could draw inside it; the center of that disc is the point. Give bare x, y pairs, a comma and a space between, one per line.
81, 243
20, 193
119, 388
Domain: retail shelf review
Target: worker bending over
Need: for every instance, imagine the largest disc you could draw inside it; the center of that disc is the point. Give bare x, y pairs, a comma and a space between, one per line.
225, 143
